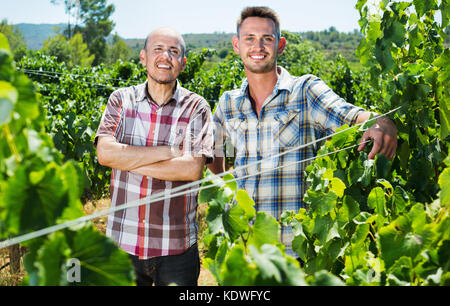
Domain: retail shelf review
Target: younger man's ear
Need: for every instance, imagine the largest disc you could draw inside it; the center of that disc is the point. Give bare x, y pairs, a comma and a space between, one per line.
281, 45
235, 42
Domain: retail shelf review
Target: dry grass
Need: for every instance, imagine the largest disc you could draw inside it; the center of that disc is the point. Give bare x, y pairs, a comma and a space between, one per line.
14, 279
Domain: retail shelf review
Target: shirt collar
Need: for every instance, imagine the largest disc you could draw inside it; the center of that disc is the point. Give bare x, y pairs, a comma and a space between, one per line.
142, 93
284, 82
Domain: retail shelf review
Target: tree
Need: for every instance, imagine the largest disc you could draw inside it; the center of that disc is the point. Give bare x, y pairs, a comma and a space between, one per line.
79, 52
57, 46
74, 52
118, 49
15, 38
92, 21
95, 16
73, 11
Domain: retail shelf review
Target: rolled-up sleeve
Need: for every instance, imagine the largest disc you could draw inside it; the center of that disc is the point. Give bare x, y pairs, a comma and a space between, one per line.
201, 133
110, 124
326, 108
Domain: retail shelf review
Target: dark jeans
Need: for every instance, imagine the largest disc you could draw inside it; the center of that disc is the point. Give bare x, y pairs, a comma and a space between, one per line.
181, 270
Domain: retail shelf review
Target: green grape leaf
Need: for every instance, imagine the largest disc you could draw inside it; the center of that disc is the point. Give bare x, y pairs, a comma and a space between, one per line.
374, 30
395, 242
321, 203
8, 98
4, 45
236, 270
208, 194
324, 278
444, 183
400, 199
360, 234
325, 228
443, 62
246, 203
445, 11
377, 201
383, 54
337, 187
214, 217
265, 230
401, 273
423, 6
235, 222
102, 262
274, 268
231, 185
349, 209
51, 261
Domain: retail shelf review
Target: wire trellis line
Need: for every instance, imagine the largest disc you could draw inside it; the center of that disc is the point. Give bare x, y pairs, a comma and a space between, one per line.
149, 200
178, 190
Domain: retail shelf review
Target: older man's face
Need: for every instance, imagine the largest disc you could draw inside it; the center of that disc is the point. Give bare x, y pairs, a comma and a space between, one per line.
163, 58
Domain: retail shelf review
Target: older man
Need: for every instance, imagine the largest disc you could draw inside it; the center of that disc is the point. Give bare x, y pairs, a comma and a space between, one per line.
156, 136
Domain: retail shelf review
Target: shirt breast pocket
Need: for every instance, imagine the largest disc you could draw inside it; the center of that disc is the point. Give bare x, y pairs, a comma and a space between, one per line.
237, 132
180, 134
287, 128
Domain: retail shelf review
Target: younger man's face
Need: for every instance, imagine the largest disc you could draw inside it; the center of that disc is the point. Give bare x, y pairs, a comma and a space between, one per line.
257, 44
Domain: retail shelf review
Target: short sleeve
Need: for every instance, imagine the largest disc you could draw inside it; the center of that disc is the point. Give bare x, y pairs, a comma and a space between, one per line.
110, 124
326, 108
200, 131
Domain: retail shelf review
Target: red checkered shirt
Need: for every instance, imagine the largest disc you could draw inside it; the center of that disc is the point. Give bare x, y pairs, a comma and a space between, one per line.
166, 227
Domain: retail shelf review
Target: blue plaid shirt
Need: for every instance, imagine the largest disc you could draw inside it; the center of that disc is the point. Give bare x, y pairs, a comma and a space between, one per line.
299, 110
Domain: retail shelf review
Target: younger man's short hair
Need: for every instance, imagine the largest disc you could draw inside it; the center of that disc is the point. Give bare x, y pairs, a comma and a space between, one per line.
260, 11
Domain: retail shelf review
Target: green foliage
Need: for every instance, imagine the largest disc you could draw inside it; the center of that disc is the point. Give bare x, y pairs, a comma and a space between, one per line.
364, 227
73, 109
74, 101
244, 246
335, 43
73, 52
407, 59
366, 221
117, 50
15, 38
369, 222
352, 86
302, 57
38, 189
213, 83
96, 26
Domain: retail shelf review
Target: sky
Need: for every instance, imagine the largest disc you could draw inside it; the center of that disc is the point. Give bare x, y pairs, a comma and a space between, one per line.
136, 18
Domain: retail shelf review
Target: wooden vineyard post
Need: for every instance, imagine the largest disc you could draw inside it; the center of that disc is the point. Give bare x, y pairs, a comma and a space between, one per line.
14, 258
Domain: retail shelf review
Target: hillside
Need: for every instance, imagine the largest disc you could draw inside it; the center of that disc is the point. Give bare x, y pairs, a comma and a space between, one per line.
36, 34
